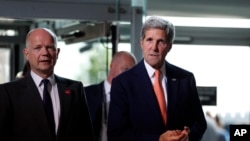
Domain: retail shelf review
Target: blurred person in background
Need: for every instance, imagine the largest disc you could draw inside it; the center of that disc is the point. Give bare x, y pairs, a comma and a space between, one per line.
211, 133
224, 133
98, 95
214, 130
25, 71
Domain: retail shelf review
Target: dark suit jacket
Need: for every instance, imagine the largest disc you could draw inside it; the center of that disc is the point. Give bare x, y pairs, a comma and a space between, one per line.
23, 117
94, 94
134, 114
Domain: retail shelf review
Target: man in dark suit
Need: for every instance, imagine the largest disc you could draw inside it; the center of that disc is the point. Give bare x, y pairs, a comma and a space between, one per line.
98, 95
43, 106
136, 113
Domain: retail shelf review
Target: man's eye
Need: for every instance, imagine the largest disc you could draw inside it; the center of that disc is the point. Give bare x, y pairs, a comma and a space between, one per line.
149, 39
162, 43
50, 48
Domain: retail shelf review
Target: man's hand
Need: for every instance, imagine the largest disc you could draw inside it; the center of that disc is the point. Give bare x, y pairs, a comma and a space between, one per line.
175, 135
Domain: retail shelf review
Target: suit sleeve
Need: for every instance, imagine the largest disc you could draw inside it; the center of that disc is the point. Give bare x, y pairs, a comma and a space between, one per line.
198, 123
119, 128
89, 131
4, 115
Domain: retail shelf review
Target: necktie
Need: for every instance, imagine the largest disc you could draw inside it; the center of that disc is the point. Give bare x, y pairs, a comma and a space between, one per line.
105, 110
48, 105
160, 95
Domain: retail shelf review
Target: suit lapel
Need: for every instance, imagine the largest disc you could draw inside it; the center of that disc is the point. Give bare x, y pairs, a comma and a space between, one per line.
172, 91
33, 103
148, 92
101, 92
31, 92
65, 97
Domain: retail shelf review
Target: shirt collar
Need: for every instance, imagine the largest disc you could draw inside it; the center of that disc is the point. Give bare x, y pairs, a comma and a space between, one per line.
107, 86
37, 79
151, 70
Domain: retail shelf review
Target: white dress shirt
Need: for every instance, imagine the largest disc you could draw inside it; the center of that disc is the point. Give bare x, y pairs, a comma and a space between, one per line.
151, 72
53, 90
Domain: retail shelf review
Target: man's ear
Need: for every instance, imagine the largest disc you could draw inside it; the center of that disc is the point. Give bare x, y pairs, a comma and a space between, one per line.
169, 46
25, 53
141, 43
57, 52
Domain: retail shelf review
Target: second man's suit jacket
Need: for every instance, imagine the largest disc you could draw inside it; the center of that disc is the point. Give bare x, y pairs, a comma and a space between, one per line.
23, 117
134, 114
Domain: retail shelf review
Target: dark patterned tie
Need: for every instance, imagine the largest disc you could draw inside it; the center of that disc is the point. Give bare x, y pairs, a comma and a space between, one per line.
48, 105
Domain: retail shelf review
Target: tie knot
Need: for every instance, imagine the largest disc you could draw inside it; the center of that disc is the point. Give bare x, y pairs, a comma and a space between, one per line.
157, 74
45, 82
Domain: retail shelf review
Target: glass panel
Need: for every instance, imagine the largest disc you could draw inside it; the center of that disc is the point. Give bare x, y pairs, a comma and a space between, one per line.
88, 63
227, 68
4, 65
